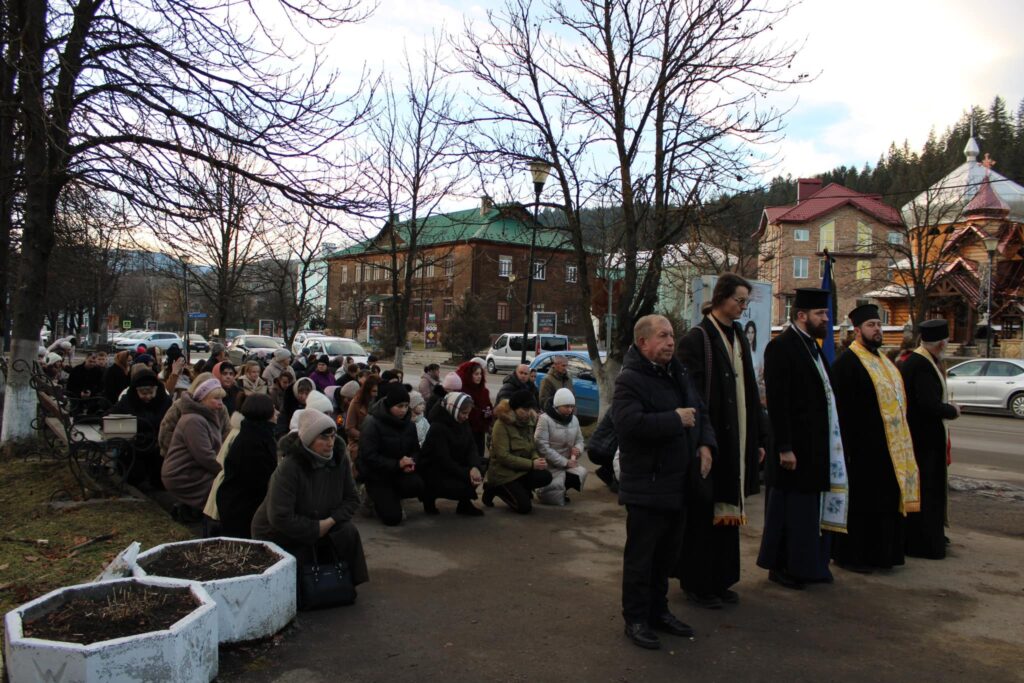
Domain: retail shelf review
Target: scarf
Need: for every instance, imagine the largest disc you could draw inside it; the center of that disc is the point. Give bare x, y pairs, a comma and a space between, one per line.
727, 514
552, 412
892, 401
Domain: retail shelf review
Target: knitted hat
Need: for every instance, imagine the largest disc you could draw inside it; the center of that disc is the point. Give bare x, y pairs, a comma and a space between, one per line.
394, 394
312, 424
389, 376
303, 381
455, 402
415, 399
323, 358
281, 354
258, 407
203, 390
479, 361
144, 378
564, 397
319, 402
52, 358
452, 382
522, 399
350, 389
144, 358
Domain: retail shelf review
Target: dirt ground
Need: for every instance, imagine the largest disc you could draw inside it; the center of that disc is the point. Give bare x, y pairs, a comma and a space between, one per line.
509, 598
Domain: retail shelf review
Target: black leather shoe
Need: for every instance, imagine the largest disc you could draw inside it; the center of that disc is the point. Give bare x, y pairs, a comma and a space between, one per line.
488, 498
642, 636
729, 597
705, 601
668, 623
430, 506
856, 568
467, 509
785, 580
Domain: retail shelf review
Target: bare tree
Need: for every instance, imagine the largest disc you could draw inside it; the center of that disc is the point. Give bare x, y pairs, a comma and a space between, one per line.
656, 99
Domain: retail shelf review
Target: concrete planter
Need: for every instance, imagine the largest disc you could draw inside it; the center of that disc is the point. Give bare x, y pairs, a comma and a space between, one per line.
249, 607
184, 653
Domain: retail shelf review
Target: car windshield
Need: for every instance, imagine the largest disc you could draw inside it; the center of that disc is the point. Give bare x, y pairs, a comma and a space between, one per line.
261, 343
553, 344
344, 348
196, 337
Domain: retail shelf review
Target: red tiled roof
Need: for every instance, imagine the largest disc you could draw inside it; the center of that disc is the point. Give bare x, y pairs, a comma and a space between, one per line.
829, 198
986, 202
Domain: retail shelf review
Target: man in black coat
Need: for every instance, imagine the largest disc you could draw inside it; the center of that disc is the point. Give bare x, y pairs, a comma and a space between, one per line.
928, 408
519, 379
662, 429
794, 549
717, 354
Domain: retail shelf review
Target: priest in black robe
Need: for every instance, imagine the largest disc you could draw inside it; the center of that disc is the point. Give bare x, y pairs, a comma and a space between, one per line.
883, 480
794, 548
717, 354
928, 409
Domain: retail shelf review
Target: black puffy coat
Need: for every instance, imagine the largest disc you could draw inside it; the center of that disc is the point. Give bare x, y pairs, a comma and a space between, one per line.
511, 385
250, 461
383, 441
148, 416
655, 449
449, 449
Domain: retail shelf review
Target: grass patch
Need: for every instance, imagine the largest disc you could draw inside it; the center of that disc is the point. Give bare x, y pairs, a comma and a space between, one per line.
28, 566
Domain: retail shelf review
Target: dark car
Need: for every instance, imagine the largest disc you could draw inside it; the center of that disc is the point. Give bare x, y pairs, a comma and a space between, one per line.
196, 342
252, 347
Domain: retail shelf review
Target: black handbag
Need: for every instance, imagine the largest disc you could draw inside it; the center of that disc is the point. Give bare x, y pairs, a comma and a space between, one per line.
327, 584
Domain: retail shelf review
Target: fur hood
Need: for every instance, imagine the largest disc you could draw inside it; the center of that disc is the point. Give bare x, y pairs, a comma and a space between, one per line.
505, 413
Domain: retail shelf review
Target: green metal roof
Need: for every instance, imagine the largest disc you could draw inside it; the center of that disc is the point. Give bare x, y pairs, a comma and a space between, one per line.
500, 224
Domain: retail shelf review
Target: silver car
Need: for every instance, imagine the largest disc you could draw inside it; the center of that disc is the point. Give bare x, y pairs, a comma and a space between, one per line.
988, 383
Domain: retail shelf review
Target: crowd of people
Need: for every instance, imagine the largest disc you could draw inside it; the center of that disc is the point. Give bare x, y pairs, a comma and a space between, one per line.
854, 454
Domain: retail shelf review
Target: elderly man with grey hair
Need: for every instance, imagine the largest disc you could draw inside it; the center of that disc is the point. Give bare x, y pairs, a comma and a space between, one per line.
557, 378
928, 409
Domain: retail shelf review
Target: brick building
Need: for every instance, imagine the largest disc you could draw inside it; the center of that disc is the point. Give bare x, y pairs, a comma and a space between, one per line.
481, 252
847, 223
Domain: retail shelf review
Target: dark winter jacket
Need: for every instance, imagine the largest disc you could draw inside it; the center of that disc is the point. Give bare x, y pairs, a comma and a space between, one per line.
449, 450
82, 379
115, 380
436, 394
655, 450
250, 461
383, 441
511, 385
603, 442
798, 409
302, 491
722, 407
148, 415
926, 413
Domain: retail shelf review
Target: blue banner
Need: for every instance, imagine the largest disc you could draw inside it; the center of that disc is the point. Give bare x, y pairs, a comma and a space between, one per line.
828, 346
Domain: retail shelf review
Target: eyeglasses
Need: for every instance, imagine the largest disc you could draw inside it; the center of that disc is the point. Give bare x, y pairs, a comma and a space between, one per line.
741, 301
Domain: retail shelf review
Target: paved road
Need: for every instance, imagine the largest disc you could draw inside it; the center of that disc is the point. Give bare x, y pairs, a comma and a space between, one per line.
988, 447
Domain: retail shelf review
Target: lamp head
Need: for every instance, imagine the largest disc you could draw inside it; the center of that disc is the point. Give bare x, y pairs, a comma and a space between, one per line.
991, 244
539, 170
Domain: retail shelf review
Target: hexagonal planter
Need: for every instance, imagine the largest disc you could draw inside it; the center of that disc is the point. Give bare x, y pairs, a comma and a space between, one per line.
252, 606
185, 652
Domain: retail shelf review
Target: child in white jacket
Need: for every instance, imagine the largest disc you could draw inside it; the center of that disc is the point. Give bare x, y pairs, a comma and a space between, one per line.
560, 440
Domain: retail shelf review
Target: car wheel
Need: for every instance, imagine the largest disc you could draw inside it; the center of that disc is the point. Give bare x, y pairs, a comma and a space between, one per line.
1016, 405
491, 367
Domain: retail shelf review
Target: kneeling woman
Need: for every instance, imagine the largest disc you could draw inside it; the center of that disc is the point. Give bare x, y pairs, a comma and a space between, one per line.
560, 440
311, 499
448, 462
516, 467
388, 448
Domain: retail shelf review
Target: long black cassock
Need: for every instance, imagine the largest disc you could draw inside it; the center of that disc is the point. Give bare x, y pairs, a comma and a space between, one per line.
926, 411
875, 528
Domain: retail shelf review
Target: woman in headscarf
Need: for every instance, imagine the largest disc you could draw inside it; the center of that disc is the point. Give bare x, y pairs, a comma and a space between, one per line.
147, 401
357, 412
480, 419
191, 463
293, 400
448, 462
173, 414
226, 374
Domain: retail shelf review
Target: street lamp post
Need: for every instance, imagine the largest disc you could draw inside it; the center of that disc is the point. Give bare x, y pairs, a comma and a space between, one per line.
539, 170
991, 244
184, 280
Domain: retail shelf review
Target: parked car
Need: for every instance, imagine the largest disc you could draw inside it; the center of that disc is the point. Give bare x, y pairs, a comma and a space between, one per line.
507, 349
161, 340
988, 383
300, 339
252, 347
336, 347
196, 342
584, 384
117, 336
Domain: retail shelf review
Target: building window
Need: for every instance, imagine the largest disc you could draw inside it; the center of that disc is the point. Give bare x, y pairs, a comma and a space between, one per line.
428, 269
540, 270
449, 266
568, 317
895, 237
827, 237
800, 264
449, 309
502, 311
801, 235
504, 266
863, 269
821, 268
570, 272
863, 238
344, 274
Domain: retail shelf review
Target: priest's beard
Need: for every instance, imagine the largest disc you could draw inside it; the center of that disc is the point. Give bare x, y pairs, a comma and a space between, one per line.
871, 345
819, 331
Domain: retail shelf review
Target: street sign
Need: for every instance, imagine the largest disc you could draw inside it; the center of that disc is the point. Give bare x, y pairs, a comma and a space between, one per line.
374, 329
126, 324
196, 315
429, 330
266, 327
545, 322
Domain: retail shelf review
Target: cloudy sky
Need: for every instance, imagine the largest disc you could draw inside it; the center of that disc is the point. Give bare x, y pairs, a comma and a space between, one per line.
888, 69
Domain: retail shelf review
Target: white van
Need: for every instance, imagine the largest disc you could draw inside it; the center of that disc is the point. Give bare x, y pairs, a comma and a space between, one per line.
507, 349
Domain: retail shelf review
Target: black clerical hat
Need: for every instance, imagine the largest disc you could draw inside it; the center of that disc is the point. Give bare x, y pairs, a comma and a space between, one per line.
811, 298
934, 330
862, 314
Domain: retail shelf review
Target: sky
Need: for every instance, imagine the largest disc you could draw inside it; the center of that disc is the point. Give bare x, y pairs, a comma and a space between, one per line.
886, 69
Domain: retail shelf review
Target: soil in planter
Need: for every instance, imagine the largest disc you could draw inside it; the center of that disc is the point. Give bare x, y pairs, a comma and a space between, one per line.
212, 560
127, 610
